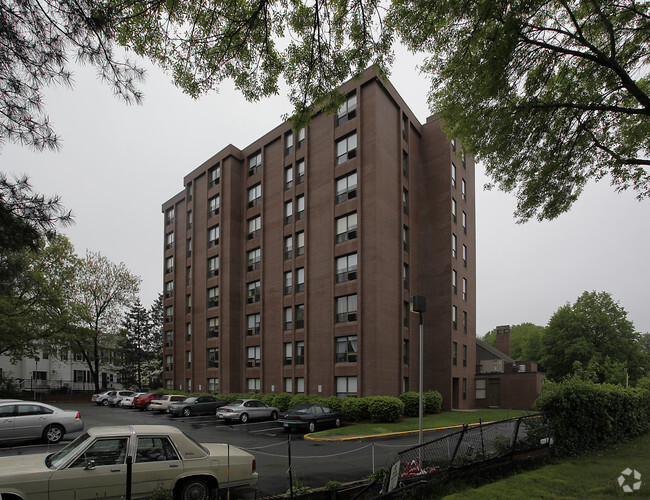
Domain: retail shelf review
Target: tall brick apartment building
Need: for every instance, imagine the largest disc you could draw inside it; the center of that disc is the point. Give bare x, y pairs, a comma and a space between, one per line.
289, 264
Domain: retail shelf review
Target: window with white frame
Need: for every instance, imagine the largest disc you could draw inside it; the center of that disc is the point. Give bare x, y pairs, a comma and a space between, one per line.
288, 212
454, 317
288, 282
288, 247
169, 216
253, 356
454, 281
213, 357
453, 175
169, 314
288, 177
346, 268
254, 227
253, 384
300, 243
253, 324
213, 327
300, 207
300, 279
300, 171
464, 221
213, 266
346, 308
288, 386
254, 259
213, 385
300, 385
254, 195
253, 294
254, 163
464, 288
453, 209
169, 265
213, 236
169, 240
169, 338
346, 349
463, 189
288, 318
300, 138
453, 246
346, 227
346, 148
213, 206
169, 289
214, 176
300, 352
346, 187
288, 143
300, 316
346, 386
481, 389
288, 353
347, 111
213, 296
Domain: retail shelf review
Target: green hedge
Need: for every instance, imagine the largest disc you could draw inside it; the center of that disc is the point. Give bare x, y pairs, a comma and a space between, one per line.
586, 416
432, 401
385, 409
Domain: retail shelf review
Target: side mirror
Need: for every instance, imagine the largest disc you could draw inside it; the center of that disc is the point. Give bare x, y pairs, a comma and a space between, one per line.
90, 465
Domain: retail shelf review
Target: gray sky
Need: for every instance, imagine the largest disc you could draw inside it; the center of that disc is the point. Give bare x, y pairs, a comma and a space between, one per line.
119, 163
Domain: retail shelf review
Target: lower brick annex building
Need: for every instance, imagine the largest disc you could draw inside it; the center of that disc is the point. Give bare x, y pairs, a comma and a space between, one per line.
289, 264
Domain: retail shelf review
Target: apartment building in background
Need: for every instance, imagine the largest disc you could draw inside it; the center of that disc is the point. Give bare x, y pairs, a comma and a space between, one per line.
289, 265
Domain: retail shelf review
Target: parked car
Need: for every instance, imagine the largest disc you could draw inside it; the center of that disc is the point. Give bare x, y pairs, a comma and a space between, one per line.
102, 398
26, 420
94, 466
196, 405
142, 402
116, 399
160, 405
245, 409
127, 402
308, 417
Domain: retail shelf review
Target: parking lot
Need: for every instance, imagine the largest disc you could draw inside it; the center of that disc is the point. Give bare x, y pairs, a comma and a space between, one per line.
313, 462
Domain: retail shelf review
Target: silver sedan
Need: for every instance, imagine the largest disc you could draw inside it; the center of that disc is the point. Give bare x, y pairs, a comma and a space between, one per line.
244, 410
26, 420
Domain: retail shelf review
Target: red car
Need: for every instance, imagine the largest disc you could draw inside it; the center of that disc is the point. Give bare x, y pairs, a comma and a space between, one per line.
142, 402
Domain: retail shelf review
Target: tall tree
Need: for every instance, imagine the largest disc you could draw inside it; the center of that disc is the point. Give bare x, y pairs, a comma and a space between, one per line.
132, 345
594, 334
105, 291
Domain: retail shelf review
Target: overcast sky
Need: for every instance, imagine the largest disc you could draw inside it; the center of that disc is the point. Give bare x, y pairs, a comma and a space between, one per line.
119, 163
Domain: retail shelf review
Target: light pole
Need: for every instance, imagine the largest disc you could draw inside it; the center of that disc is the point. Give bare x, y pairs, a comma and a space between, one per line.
419, 305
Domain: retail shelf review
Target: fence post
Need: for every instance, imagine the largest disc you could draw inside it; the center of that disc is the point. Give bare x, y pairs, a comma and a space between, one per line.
460, 438
514, 437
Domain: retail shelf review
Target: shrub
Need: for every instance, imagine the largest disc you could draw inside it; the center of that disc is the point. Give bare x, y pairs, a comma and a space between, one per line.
8, 387
585, 416
333, 402
299, 398
385, 409
432, 401
333, 485
411, 402
281, 401
354, 409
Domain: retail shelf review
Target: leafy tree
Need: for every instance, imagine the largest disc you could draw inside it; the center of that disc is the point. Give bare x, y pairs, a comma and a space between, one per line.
549, 94
596, 333
105, 290
525, 341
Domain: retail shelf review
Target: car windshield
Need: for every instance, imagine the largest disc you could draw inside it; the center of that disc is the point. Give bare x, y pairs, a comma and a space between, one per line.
193, 399
300, 408
55, 460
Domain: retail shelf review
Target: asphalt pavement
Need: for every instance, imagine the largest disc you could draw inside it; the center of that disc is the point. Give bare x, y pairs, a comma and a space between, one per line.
314, 463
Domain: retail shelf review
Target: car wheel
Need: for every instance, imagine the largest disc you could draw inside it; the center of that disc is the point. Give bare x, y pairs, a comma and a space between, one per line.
274, 415
243, 418
337, 422
106, 402
119, 404
53, 434
147, 406
312, 426
195, 489
186, 413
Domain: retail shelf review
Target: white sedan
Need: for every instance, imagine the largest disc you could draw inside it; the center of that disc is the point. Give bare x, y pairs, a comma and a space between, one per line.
96, 465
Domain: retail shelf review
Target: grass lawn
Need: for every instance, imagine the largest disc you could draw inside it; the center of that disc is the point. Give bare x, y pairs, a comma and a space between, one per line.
446, 419
592, 476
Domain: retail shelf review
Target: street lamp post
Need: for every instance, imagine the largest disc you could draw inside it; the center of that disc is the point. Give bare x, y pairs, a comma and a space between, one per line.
419, 305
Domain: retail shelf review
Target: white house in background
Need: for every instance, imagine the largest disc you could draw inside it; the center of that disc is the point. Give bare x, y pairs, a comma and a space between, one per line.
61, 371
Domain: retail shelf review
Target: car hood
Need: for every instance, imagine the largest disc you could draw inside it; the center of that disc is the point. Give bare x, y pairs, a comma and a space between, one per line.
14, 466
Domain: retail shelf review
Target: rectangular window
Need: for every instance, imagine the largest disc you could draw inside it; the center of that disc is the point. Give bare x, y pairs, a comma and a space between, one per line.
300, 352
464, 355
213, 206
288, 318
169, 338
253, 384
288, 143
288, 247
346, 268
346, 148
405, 200
463, 189
300, 172
253, 291
288, 212
346, 227
300, 243
346, 386
464, 221
254, 196
453, 209
346, 308
169, 314
405, 351
253, 324
254, 227
406, 312
213, 266
188, 247
214, 176
464, 388
169, 216
253, 356
300, 316
169, 363
454, 353
169, 265
405, 127
254, 259
300, 138
454, 317
346, 187
405, 164
454, 281
188, 359
405, 276
288, 178
347, 111
169, 289
480, 388
213, 296
300, 207
213, 385
453, 246
169, 240
189, 219
188, 303
453, 145
288, 353
464, 288
188, 275
300, 279
300, 385
213, 328
346, 349
453, 175
405, 238
288, 386
288, 282
213, 357
213, 236
464, 321
464, 255
254, 163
